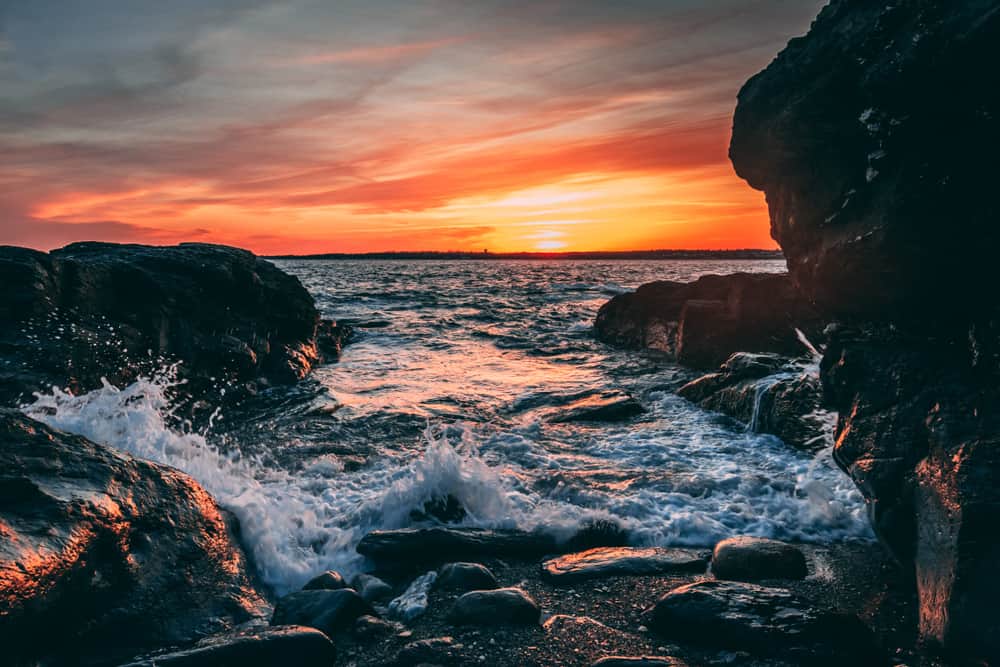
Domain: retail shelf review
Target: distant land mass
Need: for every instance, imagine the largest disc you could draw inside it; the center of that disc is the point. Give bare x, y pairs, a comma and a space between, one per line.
744, 254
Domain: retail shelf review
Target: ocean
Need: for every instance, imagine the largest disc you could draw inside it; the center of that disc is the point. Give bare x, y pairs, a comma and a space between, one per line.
449, 397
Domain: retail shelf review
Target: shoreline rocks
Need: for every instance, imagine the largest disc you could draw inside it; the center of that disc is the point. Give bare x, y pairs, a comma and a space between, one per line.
329, 611
701, 323
756, 558
866, 137
622, 561
119, 554
501, 606
92, 310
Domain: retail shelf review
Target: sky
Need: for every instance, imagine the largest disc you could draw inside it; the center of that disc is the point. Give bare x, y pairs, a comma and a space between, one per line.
306, 126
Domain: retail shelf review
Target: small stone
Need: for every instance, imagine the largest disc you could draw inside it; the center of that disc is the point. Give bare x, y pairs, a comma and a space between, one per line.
496, 607
466, 577
371, 588
327, 581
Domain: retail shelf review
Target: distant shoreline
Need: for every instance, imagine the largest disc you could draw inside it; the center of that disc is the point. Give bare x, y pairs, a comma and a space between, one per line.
746, 254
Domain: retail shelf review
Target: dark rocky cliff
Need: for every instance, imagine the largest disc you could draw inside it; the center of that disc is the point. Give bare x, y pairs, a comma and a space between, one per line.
872, 138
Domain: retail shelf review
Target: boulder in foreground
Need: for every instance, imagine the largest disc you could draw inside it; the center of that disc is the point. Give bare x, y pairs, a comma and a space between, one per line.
755, 558
120, 555
622, 561
767, 621
502, 606
330, 611
262, 647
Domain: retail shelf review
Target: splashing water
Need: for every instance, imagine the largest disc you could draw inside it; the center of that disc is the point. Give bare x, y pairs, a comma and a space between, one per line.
452, 399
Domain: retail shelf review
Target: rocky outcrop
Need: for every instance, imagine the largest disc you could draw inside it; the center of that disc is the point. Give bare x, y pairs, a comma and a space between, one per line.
767, 621
868, 137
770, 394
112, 554
93, 310
702, 323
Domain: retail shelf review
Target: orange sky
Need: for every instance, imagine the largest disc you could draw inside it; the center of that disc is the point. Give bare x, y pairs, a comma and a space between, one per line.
293, 127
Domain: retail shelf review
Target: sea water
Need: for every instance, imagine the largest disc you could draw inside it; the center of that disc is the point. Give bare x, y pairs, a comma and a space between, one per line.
450, 389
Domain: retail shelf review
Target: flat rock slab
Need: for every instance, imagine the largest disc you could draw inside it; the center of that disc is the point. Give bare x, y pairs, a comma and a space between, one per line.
638, 661
605, 407
436, 545
326, 610
265, 647
622, 561
755, 558
503, 606
763, 620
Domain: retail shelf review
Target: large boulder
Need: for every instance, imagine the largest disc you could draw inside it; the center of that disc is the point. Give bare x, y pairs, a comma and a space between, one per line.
112, 555
500, 606
93, 310
767, 621
701, 323
329, 611
868, 137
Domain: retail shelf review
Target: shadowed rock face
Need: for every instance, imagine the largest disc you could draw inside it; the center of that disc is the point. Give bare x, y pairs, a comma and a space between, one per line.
703, 322
109, 552
89, 310
870, 138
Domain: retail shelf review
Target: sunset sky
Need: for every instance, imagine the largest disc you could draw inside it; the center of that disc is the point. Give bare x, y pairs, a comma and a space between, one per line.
330, 125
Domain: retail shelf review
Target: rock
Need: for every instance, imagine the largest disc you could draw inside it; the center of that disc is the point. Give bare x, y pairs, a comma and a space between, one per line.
261, 647
642, 661
787, 403
614, 406
328, 611
435, 651
860, 135
409, 546
754, 558
702, 323
414, 600
371, 588
865, 135
767, 621
373, 628
327, 581
503, 606
121, 555
621, 561
93, 310
440, 509
465, 577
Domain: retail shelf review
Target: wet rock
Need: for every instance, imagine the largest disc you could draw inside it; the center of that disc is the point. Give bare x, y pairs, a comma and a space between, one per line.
621, 561
263, 647
328, 611
465, 577
121, 555
409, 546
767, 621
93, 310
328, 581
864, 136
503, 606
435, 651
755, 558
603, 407
443, 509
371, 588
414, 600
770, 394
638, 661
702, 323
